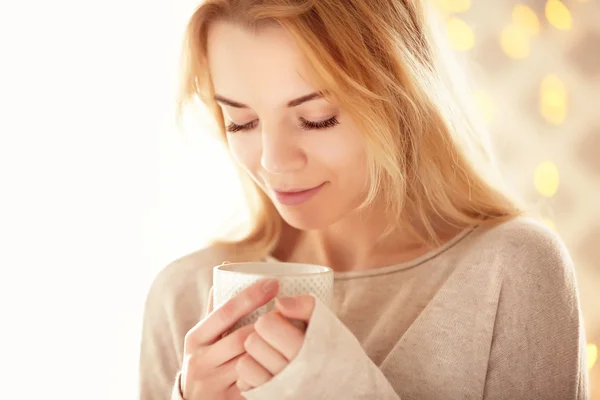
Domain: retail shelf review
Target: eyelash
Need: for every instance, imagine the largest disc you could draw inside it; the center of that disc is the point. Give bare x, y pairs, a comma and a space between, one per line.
306, 125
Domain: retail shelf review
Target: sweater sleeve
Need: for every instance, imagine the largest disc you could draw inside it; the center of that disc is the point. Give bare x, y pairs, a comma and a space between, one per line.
330, 365
173, 306
159, 353
538, 346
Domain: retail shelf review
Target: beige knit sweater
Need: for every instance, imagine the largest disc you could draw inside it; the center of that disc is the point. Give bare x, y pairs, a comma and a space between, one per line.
493, 314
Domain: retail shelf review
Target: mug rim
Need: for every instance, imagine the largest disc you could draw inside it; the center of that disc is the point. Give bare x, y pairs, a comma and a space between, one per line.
222, 268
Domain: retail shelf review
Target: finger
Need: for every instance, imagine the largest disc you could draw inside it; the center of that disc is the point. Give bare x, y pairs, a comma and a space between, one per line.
264, 354
218, 380
226, 375
297, 307
211, 328
233, 393
252, 372
280, 334
227, 348
243, 386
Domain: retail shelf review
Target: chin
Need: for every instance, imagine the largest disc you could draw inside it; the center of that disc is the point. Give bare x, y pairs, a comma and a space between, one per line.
306, 218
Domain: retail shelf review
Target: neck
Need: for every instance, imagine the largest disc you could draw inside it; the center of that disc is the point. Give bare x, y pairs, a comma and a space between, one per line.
356, 243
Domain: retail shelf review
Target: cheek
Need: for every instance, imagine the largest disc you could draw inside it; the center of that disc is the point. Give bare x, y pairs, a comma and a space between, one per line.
338, 154
342, 152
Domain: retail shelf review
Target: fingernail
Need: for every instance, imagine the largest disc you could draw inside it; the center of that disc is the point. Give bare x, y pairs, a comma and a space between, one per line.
287, 302
270, 285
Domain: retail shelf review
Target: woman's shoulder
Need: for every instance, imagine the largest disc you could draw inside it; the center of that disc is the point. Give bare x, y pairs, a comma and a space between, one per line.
521, 234
524, 246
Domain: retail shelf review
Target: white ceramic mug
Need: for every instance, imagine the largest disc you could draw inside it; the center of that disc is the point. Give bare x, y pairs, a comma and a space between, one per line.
294, 279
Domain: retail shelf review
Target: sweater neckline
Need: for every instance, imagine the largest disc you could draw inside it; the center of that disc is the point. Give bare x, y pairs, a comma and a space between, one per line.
430, 255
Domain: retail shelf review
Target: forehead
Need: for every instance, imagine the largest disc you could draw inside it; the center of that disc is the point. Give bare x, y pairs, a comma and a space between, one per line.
260, 68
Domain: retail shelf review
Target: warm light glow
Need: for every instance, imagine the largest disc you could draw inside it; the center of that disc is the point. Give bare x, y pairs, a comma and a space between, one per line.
550, 224
592, 355
558, 15
485, 104
546, 179
461, 36
515, 41
553, 99
524, 17
458, 6
452, 6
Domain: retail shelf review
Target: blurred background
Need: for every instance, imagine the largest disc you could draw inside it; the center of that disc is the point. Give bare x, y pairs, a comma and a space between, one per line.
536, 73
536, 77
100, 190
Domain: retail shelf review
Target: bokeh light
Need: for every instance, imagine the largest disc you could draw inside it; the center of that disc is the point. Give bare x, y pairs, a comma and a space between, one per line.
515, 38
592, 355
553, 99
546, 178
559, 15
524, 17
460, 34
452, 6
515, 41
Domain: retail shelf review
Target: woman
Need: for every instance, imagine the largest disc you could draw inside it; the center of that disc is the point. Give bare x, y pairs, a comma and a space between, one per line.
359, 155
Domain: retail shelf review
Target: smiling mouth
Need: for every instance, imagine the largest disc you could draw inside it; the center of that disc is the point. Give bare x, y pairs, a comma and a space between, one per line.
296, 196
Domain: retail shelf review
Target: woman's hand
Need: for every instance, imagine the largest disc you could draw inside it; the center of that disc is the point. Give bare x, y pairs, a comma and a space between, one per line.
210, 360
275, 341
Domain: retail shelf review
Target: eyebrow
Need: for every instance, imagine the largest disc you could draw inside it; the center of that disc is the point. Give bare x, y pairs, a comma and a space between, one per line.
290, 104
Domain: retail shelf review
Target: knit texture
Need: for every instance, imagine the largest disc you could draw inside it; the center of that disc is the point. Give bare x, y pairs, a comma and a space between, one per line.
492, 314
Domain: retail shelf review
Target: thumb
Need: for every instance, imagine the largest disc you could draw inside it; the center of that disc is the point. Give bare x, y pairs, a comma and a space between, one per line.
297, 307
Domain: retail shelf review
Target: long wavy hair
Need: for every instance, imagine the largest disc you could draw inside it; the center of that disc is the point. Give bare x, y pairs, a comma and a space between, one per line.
384, 63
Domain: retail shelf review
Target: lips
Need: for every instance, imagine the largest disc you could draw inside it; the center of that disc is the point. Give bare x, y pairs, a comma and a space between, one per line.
297, 196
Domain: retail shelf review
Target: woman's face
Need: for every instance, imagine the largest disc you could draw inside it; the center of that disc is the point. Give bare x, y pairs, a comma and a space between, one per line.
303, 151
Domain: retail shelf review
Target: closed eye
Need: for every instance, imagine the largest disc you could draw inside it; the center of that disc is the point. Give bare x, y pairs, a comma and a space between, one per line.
328, 123
304, 124
237, 128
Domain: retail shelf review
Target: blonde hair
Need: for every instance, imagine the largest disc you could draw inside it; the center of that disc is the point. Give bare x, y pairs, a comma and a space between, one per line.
381, 61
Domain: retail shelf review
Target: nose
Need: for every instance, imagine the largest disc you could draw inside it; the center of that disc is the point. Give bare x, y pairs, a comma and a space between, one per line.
281, 152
